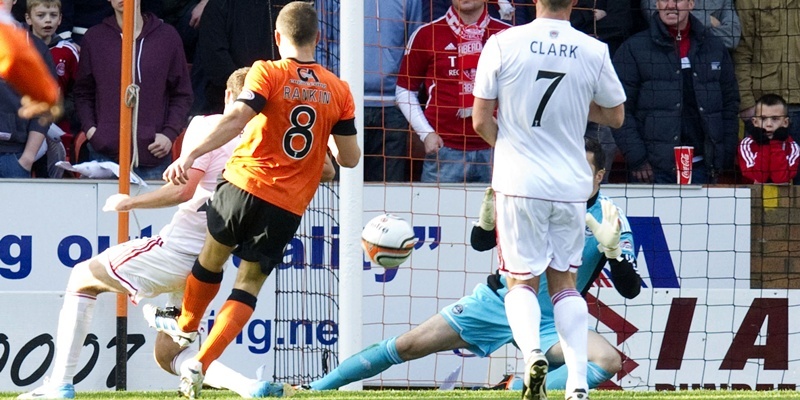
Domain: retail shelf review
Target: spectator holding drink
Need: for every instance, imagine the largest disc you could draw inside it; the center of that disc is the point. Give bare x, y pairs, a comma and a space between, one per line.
682, 91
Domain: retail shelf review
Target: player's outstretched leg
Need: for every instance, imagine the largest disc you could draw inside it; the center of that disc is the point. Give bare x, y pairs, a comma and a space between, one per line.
367, 363
533, 383
166, 321
169, 356
50, 391
73, 325
191, 372
86, 280
202, 286
272, 389
571, 318
232, 317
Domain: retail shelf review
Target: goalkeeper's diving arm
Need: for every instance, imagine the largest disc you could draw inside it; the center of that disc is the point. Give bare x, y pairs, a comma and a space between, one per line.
623, 274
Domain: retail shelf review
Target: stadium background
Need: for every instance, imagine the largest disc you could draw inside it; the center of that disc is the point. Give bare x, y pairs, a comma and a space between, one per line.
708, 316
719, 266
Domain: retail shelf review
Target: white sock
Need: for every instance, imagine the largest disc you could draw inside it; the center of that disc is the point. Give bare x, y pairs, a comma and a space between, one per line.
218, 375
73, 326
522, 310
572, 321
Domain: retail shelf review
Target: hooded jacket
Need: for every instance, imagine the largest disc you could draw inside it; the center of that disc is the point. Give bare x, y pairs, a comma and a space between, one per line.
649, 68
160, 71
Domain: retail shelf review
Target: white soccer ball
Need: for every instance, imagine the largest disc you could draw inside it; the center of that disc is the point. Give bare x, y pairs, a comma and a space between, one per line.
388, 240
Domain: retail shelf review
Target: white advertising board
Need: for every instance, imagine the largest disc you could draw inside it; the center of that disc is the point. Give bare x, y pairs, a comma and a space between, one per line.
689, 241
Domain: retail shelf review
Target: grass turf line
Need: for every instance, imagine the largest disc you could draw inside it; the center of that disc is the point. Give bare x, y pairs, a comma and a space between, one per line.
453, 394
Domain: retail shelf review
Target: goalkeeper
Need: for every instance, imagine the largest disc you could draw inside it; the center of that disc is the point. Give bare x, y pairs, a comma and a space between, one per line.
478, 322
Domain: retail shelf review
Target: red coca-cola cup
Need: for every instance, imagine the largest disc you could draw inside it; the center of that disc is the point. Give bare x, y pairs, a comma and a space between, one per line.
683, 164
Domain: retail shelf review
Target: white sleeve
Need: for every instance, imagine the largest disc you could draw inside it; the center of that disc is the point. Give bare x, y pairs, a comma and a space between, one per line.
488, 67
408, 103
199, 127
609, 92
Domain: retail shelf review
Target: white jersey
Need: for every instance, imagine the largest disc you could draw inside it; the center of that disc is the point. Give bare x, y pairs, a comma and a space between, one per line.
544, 75
187, 230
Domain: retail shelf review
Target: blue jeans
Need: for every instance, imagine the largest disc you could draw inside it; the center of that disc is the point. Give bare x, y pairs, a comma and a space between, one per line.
458, 166
386, 155
10, 168
146, 173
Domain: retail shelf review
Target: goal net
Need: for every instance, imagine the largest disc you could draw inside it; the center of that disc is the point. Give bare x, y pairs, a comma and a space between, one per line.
718, 265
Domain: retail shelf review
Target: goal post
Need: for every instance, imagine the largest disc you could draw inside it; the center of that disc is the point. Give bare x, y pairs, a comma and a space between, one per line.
351, 194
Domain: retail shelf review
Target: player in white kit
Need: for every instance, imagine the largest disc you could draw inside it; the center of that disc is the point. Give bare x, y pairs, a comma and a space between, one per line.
546, 79
148, 267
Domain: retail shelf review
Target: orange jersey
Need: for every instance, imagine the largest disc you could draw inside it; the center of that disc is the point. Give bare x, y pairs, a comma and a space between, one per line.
22, 66
282, 152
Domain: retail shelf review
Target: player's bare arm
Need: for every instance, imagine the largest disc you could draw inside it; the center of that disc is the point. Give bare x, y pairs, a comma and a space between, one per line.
349, 152
166, 196
328, 171
612, 117
483, 119
230, 125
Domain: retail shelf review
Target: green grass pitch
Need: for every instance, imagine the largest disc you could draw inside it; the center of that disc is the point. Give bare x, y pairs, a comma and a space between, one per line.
211, 394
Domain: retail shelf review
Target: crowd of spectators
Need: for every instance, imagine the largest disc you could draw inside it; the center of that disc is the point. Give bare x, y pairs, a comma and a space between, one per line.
704, 63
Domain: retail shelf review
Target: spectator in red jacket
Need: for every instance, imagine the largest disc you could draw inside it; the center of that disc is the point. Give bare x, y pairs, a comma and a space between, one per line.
44, 16
768, 154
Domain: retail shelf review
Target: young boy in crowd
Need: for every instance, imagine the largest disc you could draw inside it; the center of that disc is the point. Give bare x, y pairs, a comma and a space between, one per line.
44, 17
768, 154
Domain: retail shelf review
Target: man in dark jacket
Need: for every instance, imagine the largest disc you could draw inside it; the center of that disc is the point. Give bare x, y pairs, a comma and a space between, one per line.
165, 94
233, 34
682, 91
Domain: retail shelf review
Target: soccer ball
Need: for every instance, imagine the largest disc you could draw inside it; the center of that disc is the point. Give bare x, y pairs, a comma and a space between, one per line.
388, 240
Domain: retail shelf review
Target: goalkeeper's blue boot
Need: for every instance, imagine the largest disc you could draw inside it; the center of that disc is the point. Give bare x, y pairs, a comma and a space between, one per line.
533, 382
48, 391
271, 389
166, 320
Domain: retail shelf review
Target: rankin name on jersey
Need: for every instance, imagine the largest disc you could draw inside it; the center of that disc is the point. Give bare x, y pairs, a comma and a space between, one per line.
561, 50
307, 95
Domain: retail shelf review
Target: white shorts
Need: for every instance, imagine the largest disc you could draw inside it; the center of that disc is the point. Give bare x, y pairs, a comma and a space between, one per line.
533, 234
147, 269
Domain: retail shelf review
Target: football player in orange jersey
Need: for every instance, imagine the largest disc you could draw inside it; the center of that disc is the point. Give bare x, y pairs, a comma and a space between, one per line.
23, 68
287, 112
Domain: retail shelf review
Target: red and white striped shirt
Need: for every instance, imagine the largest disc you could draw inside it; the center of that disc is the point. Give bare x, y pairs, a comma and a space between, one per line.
443, 55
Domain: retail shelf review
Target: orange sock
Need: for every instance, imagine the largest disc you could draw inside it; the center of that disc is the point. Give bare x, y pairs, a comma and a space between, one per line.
202, 286
229, 323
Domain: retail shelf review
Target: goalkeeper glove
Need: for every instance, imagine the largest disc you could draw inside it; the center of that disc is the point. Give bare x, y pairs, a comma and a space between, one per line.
486, 218
607, 232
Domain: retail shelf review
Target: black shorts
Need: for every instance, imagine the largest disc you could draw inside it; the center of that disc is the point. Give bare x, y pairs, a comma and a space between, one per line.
259, 230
